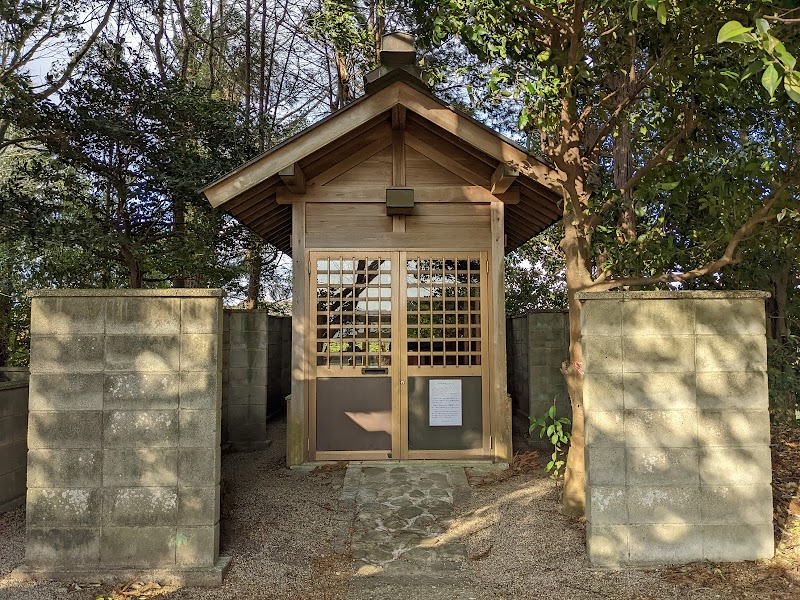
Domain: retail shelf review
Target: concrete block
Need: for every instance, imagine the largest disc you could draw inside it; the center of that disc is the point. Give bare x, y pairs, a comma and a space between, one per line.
199, 467
66, 391
731, 353
734, 428
667, 391
546, 357
606, 505
247, 395
664, 504
601, 318
605, 466
141, 391
143, 316
141, 429
607, 545
142, 353
247, 377
67, 316
198, 505
659, 317
199, 352
19, 455
247, 432
64, 468
249, 340
200, 315
7, 428
137, 546
156, 467
62, 547
9, 456
735, 466
201, 391
661, 428
248, 359
197, 546
665, 543
659, 354
65, 429
19, 425
66, 354
603, 392
64, 507
605, 428
747, 391
742, 541
602, 354
730, 505
140, 507
663, 466
248, 321
199, 428
8, 491
724, 316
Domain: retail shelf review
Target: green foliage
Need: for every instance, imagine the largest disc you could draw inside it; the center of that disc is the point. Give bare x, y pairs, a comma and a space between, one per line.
557, 431
784, 378
535, 274
778, 64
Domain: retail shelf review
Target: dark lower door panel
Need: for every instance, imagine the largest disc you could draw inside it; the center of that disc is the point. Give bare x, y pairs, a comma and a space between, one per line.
354, 414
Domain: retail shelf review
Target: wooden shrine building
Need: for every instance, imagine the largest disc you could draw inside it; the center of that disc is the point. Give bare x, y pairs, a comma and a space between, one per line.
397, 211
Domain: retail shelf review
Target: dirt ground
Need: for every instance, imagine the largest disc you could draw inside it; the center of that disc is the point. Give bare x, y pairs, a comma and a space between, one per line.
283, 531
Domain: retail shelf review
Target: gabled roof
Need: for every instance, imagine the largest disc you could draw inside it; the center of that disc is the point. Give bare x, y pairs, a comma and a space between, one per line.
249, 193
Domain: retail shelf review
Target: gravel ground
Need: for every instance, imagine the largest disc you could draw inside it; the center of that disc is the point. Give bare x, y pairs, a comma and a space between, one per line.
281, 529
278, 527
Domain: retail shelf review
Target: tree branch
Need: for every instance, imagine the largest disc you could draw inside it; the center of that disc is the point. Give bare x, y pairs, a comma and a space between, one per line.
729, 257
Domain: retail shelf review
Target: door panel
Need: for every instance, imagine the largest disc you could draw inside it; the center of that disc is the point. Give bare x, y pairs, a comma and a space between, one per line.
390, 331
353, 403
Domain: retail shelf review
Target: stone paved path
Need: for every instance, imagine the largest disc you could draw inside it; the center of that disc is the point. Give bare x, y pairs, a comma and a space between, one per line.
400, 539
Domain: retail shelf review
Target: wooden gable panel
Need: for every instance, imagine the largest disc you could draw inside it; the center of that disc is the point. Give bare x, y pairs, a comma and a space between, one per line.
373, 171
422, 171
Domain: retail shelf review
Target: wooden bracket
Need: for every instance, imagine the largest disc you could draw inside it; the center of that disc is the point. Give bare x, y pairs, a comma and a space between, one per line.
502, 178
293, 178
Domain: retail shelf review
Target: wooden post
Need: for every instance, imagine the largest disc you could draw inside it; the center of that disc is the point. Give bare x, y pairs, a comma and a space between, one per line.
500, 407
296, 433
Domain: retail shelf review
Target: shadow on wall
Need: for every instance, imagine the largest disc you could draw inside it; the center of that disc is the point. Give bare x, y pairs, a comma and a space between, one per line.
677, 421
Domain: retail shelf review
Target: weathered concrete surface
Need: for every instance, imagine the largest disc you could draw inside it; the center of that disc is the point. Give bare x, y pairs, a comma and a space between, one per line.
13, 427
537, 344
256, 351
124, 435
677, 427
401, 541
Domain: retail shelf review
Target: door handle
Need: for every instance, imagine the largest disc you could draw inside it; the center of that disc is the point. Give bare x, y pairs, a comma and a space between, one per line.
375, 371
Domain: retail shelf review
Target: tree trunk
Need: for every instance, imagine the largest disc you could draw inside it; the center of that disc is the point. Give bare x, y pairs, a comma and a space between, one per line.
577, 276
778, 303
255, 265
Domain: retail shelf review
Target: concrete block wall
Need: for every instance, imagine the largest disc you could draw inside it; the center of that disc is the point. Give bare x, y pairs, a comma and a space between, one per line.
13, 445
537, 343
256, 355
677, 427
123, 436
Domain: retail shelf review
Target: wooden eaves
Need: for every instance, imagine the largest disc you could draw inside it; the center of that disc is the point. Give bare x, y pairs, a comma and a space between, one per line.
259, 193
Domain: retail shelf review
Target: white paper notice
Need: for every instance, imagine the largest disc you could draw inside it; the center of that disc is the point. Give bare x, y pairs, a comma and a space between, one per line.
444, 402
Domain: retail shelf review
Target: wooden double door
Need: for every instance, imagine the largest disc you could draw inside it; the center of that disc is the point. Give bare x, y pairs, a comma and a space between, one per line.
399, 362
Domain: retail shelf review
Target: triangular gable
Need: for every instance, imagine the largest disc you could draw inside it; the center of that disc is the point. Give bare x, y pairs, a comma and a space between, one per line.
361, 112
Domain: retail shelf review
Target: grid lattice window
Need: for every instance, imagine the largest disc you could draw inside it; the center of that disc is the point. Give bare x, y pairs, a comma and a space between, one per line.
353, 312
443, 311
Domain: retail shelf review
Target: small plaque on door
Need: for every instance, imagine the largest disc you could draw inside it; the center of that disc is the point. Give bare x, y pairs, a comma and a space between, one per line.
444, 396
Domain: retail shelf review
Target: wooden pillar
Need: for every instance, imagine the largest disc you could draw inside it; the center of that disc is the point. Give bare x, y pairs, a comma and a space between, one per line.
296, 434
500, 406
